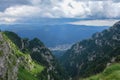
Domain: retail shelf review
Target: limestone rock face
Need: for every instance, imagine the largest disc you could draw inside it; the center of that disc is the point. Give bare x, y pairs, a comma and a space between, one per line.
91, 56
8, 61
20, 56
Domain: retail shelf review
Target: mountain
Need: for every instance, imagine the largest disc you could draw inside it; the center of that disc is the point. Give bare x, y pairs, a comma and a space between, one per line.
111, 72
24, 59
56, 34
91, 56
53, 35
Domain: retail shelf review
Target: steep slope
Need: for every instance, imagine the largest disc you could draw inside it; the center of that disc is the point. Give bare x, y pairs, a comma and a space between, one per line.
41, 55
8, 66
111, 72
91, 56
14, 63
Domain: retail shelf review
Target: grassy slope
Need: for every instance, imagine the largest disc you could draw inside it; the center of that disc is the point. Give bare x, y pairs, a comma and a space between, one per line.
110, 73
23, 73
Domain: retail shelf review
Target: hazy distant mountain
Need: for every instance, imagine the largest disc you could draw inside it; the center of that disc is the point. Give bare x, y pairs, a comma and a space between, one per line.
54, 32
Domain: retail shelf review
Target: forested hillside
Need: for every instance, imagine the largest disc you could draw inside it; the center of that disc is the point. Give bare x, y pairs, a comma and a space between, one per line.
91, 56
24, 59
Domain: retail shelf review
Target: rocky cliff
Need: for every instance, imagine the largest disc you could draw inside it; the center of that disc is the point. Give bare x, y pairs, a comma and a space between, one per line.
8, 61
91, 56
24, 59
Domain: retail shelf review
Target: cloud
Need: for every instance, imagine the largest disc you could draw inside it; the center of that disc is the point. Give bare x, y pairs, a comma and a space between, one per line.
21, 11
8, 3
12, 14
96, 9
108, 22
73, 8
12, 10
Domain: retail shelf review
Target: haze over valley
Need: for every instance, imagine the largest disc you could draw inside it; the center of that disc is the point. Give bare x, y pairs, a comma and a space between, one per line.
59, 39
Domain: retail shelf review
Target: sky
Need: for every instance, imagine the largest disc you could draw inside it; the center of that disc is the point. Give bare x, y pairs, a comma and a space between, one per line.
13, 11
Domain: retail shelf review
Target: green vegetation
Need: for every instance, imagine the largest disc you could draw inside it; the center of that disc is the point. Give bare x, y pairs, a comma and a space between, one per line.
35, 59
35, 43
1, 42
24, 74
14, 48
1, 53
110, 73
36, 68
14, 38
28, 69
86, 58
89, 57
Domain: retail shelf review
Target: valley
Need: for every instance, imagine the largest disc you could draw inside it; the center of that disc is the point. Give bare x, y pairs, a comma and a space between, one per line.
59, 39
86, 58
56, 36
91, 56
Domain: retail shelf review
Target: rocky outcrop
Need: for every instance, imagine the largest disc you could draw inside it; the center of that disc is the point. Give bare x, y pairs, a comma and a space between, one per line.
8, 61
43, 55
91, 56
26, 54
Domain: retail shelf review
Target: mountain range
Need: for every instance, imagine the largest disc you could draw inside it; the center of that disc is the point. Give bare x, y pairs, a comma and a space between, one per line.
95, 58
24, 59
52, 32
91, 56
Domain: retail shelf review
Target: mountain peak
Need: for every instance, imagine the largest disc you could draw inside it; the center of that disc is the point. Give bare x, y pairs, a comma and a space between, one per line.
91, 56
33, 59
117, 24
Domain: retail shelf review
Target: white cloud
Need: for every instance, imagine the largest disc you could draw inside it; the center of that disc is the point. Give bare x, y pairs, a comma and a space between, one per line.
6, 20
107, 22
73, 8
22, 11
62, 8
85, 8
12, 14
112, 10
